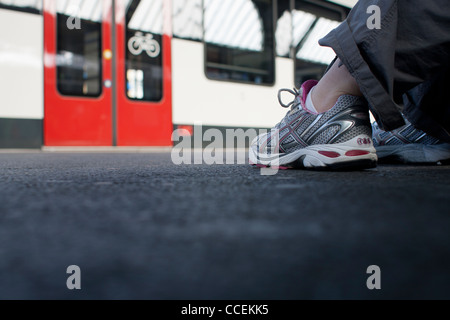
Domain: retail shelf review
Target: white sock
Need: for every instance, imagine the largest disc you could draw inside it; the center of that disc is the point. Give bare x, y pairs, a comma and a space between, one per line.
309, 103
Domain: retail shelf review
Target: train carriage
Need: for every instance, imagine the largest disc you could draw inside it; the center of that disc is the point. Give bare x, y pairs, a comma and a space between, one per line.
129, 72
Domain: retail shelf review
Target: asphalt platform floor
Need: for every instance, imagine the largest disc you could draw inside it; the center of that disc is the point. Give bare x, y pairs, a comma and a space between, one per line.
140, 227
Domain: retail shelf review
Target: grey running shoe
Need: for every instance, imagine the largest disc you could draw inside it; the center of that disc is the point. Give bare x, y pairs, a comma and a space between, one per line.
409, 145
340, 138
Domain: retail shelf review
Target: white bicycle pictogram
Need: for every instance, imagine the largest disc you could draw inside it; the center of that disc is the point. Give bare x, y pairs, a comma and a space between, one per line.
140, 43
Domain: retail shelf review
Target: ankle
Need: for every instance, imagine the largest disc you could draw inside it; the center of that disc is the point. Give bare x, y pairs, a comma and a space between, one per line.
336, 82
323, 102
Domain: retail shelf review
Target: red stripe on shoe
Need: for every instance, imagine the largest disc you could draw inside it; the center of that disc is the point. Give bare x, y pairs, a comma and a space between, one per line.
330, 154
356, 153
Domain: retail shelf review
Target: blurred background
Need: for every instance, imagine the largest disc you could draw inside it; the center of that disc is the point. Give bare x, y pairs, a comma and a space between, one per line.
128, 72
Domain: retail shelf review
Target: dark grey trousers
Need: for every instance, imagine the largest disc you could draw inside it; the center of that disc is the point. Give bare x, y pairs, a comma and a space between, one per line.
402, 67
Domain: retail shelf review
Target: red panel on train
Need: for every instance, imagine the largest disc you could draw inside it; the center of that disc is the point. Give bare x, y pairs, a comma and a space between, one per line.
98, 94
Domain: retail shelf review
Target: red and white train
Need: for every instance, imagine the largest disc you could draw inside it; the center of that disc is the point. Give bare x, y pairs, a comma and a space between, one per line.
127, 72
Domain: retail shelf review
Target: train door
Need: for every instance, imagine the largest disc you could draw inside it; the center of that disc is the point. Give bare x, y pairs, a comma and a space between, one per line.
144, 89
107, 73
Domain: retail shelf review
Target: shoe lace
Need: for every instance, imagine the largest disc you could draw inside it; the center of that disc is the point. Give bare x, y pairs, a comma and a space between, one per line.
294, 103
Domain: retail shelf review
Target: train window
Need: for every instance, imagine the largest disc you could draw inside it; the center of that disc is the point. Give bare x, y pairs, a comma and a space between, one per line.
31, 6
187, 19
311, 21
144, 20
283, 33
239, 43
78, 57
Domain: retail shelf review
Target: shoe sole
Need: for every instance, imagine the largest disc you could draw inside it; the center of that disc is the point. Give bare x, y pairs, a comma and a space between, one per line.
414, 153
351, 155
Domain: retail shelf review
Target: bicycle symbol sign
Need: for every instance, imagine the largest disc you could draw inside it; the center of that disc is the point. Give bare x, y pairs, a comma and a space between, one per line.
140, 43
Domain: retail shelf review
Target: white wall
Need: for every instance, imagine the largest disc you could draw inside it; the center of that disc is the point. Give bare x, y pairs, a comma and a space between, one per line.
197, 99
347, 3
21, 65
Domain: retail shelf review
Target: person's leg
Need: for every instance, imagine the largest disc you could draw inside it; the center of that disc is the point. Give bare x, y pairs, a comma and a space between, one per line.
334, 133
428, 106
406, 144
385, 63
396, 73
425, 106
389, 61
337, 81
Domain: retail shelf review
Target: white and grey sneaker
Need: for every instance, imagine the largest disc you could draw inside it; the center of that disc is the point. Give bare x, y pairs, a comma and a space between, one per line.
409, 145
340, 138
